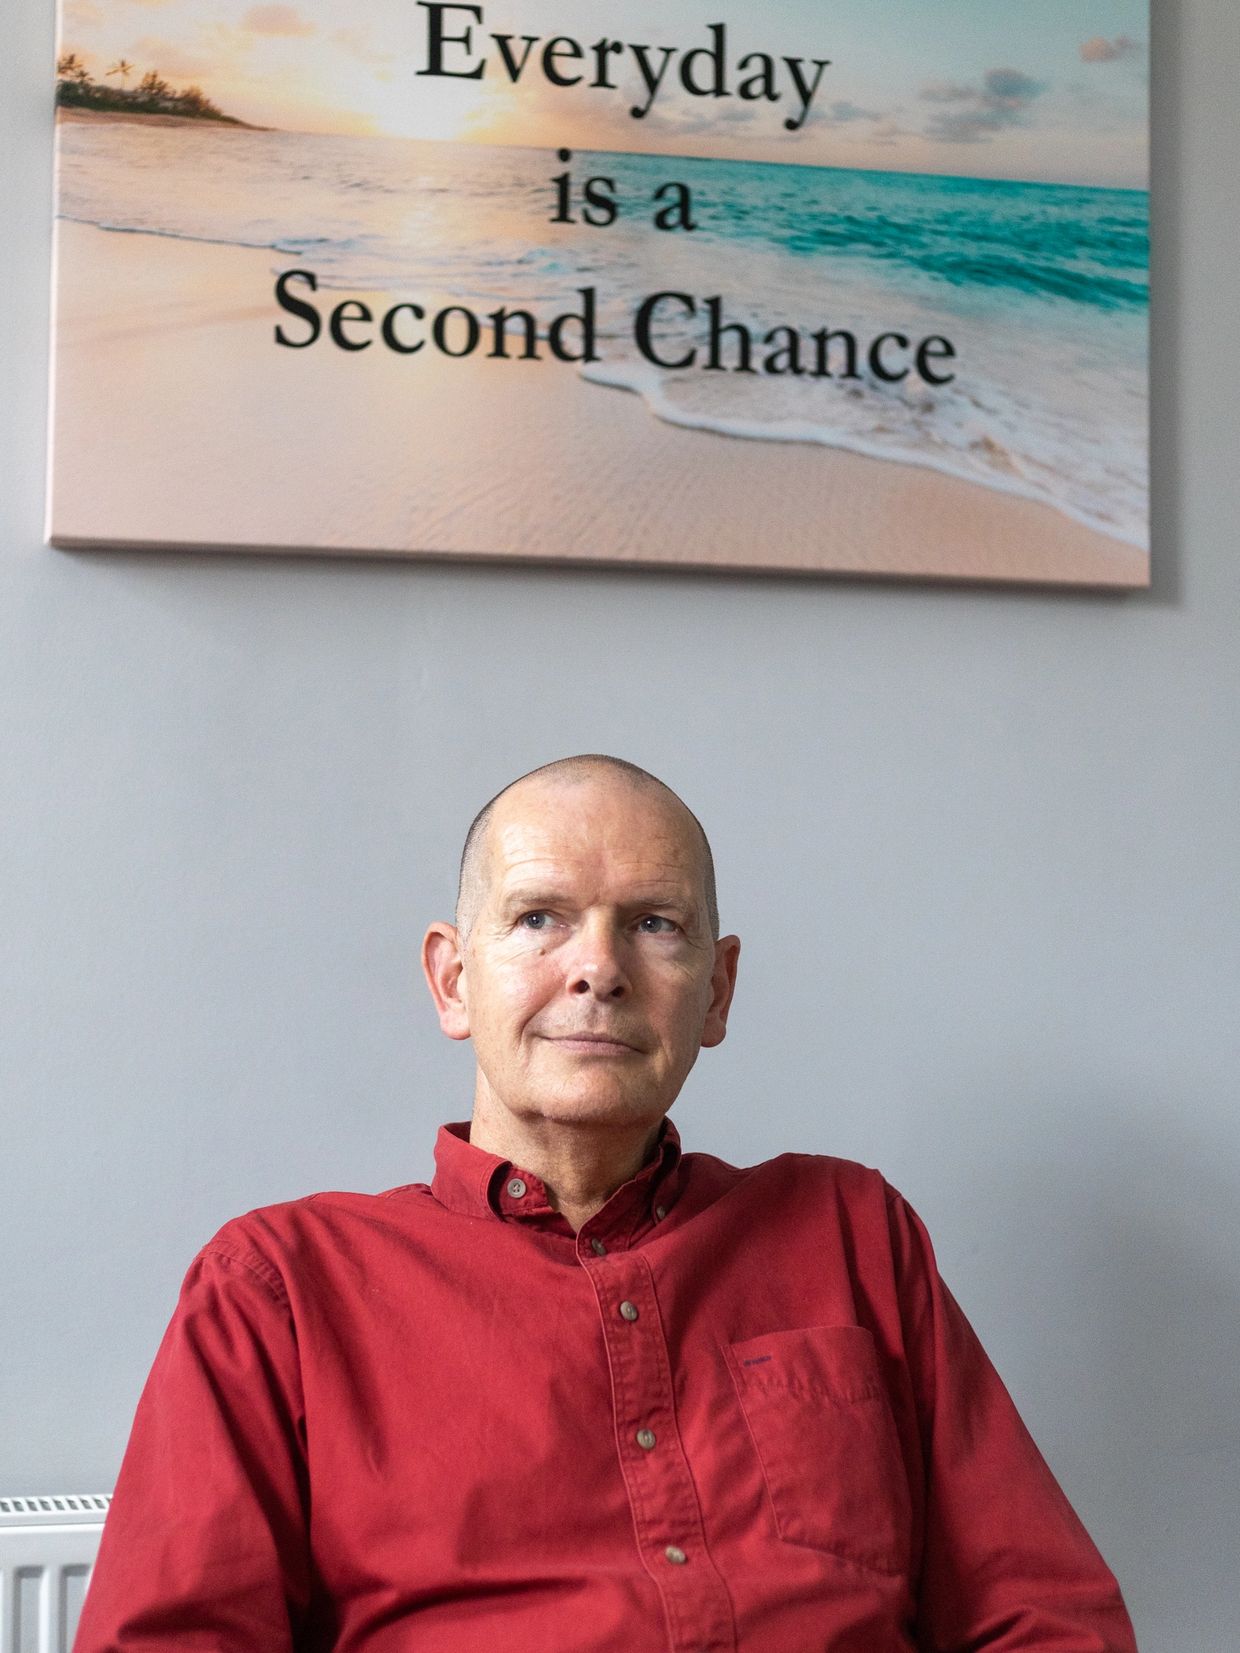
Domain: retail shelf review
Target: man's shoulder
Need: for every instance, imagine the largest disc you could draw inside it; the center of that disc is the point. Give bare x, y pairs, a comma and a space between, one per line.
804, 1175
270, 1241
804, 1166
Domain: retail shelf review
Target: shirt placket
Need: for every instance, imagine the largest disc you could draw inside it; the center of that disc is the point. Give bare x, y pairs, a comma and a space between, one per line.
667, 1519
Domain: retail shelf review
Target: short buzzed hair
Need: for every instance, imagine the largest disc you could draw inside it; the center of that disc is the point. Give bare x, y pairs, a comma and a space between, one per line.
470, 877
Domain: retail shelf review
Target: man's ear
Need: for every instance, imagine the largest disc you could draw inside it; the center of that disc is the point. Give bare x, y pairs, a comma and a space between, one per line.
722, 986
443, 965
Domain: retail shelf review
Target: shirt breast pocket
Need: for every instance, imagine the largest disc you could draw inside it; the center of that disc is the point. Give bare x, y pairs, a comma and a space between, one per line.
817, 1410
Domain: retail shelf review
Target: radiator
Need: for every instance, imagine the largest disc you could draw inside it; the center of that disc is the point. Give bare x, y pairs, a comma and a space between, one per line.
47, 1549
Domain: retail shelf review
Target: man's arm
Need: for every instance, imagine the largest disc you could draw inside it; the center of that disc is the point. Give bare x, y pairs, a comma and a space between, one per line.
1008, 1564
205, 1545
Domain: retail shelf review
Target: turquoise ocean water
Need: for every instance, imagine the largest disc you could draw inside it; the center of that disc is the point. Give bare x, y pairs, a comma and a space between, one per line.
1042, 289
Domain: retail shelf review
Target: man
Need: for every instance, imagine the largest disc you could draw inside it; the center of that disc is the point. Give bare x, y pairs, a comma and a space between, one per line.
583, 1393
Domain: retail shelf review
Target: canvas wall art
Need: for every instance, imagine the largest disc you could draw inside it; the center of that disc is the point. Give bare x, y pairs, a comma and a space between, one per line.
852, 287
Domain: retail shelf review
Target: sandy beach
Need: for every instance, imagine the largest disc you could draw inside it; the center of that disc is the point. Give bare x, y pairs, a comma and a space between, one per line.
178, 422
133, 118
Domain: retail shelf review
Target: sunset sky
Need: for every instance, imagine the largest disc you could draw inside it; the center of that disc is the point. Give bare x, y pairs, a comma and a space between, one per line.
986, 88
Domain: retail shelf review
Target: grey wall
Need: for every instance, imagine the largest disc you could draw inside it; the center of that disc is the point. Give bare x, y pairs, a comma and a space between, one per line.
981, 846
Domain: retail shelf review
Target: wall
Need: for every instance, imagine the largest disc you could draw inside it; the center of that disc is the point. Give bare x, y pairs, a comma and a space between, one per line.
981, 845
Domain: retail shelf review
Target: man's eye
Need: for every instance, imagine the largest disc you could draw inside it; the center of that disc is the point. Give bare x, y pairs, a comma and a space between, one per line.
654, 924
535, 921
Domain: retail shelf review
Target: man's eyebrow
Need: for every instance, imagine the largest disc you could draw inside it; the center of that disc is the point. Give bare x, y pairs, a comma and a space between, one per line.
519, 894
663, 898
654, 895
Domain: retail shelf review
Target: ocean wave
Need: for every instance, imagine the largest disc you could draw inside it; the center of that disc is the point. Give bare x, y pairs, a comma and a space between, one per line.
979, 455
1027, 276
169, 235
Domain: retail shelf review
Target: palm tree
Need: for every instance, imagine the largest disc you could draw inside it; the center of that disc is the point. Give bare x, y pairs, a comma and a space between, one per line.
69, 66
196, 102
154, 85
124, 69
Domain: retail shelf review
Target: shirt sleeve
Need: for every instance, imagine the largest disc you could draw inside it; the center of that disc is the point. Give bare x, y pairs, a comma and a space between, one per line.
1007, 1562
205, 1545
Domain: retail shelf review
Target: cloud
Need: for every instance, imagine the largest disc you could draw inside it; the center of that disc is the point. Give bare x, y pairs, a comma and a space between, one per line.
277, 20
1011, 86
83, 14
843, 111
357, 43
167, 58
1101, 50
886, 133
820, 120
947, 91
684, 119
1003, 100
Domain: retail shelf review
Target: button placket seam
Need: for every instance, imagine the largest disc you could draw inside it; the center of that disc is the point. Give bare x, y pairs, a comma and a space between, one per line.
618, 1356
677, 1446
670, 1583
684, 1588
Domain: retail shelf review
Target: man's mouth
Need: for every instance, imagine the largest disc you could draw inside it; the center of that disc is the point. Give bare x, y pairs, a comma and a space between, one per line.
592, 1044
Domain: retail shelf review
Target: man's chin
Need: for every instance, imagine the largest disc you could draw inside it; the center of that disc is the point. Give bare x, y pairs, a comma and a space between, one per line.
597, 1104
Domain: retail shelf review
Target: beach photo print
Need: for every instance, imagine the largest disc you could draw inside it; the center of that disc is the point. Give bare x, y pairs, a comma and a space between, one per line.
821, 286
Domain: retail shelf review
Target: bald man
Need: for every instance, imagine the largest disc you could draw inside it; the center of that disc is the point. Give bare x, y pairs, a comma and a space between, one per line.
584, 1393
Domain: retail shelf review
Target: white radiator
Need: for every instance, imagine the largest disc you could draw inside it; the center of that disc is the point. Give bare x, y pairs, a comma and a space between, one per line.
47, 1549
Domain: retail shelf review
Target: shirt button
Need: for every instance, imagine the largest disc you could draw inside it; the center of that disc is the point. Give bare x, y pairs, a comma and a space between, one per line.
675, 1555
628, 1310
645, 1439
516, 1188
660, 1211
598, 1248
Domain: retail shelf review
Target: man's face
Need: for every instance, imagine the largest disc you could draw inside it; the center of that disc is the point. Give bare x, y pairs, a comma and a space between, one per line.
590, 979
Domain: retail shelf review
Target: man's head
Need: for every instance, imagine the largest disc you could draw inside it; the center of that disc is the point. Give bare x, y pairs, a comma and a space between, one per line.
584, 962
474, 869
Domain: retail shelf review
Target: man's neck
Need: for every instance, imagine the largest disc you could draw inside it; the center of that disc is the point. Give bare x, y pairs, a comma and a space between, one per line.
581, 1166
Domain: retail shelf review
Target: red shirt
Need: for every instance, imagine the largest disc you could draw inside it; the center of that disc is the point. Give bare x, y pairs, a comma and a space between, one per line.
739, 1412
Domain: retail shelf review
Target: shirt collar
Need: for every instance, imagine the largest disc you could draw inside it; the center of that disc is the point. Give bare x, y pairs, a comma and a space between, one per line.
474, 1183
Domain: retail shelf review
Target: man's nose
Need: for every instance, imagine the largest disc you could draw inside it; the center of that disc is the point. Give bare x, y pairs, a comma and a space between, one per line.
598, 967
